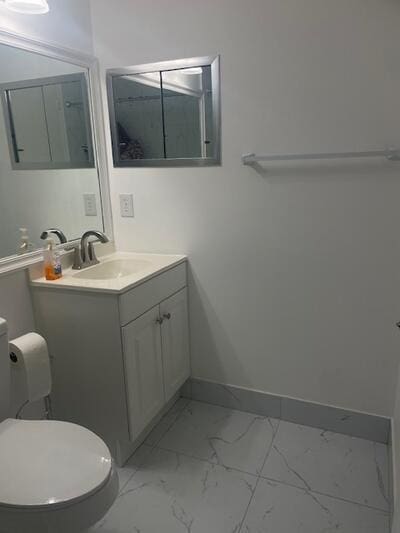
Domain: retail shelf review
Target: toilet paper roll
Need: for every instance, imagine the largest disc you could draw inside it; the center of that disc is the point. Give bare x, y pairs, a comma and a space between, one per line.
29, 353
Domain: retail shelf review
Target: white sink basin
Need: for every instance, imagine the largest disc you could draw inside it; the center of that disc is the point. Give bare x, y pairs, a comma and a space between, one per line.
116, 272
114, 269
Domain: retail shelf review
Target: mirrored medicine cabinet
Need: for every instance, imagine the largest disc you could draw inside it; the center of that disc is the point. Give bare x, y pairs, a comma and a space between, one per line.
166, 114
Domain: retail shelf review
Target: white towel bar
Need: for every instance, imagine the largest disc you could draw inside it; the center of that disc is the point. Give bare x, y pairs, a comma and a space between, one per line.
392, 155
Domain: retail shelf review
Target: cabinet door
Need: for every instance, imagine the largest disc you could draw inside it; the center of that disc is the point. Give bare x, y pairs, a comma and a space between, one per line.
175, 342
143, 370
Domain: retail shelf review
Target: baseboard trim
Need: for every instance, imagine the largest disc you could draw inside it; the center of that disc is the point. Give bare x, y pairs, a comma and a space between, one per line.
356, 424
391, 481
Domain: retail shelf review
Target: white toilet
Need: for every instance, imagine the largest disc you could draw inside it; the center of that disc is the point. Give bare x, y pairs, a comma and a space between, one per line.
55, 477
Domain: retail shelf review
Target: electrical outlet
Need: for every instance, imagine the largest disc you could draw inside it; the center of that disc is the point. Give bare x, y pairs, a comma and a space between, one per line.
89, 200
126, 205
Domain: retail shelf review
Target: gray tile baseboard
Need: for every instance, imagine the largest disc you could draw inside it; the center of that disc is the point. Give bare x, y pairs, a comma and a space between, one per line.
391, 473
353, 423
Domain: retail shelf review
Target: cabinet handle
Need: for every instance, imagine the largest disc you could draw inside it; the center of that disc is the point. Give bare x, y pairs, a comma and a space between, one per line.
167, 315
159, 320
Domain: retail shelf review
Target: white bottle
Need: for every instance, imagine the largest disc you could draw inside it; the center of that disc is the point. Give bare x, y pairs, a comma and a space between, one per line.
24, 245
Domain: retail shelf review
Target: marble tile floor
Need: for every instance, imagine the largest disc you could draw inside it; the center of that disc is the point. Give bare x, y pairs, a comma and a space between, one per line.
209, 469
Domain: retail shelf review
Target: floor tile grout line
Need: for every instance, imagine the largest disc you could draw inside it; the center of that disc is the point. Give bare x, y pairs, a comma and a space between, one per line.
387, 511
258, 478
198, 458
201, 459
121, 488
352, 502
386, 488
248, 506
253, 413
206, 460
190, 401
269, 449
172, 423
152, 446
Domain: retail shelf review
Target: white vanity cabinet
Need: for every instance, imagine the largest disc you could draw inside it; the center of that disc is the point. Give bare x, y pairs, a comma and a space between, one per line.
156, 348
118, 359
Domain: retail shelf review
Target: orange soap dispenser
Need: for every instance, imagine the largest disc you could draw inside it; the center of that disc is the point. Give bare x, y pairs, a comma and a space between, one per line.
52, 262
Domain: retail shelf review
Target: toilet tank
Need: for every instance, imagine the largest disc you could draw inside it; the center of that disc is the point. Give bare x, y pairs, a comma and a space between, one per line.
4, 371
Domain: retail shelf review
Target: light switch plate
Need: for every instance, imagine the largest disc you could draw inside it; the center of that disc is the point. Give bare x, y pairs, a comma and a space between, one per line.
89, 200
126, 205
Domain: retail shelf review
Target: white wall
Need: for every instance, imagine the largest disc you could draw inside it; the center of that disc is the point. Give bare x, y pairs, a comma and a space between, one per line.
294, 271
67, 24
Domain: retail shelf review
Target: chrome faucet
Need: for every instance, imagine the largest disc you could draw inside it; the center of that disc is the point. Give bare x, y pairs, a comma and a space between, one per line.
85, 255
61, 236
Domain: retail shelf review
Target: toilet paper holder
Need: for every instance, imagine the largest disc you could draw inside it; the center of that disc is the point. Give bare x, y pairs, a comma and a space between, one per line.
14, 357
47, 399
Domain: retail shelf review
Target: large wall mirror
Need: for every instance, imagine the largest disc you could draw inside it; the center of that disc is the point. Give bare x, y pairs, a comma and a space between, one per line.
166, 114
48, 169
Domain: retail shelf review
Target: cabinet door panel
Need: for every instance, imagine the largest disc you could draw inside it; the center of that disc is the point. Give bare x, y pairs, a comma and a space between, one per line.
175, 342
143, 369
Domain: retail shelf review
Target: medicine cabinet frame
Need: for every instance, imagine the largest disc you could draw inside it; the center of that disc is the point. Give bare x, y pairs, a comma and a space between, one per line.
6, 98
18, 262
178, 64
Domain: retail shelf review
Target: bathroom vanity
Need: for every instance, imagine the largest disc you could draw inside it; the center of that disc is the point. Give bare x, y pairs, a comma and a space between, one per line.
118, 338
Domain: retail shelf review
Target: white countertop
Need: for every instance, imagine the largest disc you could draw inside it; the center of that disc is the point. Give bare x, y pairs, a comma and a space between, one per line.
156, 263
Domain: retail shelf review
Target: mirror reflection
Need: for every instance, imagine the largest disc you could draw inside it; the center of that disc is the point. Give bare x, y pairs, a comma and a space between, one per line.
166, 116
138, 114
48, 176
188, 112
48, 122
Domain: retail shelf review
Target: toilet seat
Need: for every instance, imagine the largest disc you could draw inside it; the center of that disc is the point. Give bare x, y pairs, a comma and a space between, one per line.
50, 464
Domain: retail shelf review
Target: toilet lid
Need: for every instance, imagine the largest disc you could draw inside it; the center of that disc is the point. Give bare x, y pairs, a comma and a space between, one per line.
45, 462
